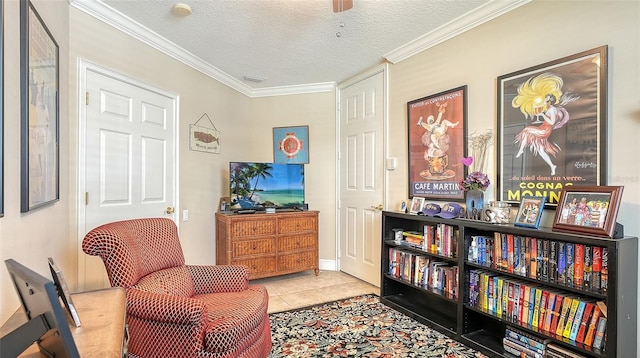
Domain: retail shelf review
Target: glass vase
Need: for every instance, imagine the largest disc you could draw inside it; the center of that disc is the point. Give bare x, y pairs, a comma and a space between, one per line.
475, 203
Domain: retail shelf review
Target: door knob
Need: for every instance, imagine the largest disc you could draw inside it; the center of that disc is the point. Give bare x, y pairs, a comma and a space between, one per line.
379, 207
169, 210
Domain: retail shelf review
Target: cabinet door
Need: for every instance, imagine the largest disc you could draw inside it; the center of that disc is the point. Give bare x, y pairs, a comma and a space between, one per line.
252, 228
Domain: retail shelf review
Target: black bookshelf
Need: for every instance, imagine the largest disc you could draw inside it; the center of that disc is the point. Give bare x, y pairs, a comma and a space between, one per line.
482, 330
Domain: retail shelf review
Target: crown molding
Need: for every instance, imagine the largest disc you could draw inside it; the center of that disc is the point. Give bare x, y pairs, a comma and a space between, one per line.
468, 21
136, 30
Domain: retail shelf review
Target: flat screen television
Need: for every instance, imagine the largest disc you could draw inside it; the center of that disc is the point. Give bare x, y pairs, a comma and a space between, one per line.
260, 185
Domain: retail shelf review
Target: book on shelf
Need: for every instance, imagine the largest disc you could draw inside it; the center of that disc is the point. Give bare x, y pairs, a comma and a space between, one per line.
604, 271
537, 343
584, 322
519, 350
575, 325
587, 266
575, 302
591, 328
533, 261
596, 268
543, 309
564, 313
555, 351
536, 308
553, 261
548, 317
539, 259
557, 307
525, 304
578, 265
561, 277
569, 269
598, 340
509, 253
422, 271
545, 260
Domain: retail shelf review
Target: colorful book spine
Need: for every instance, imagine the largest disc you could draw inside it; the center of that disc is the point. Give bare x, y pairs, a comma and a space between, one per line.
588, 308
548, 317
519, 350
604, 271
591, 329
575, 326
545, 260
535, 343
553, 261
578, 266
557, 307
569, 269
598, 341
525, 304
586, 277
509, 253
516, 255
533, 261
536, 308
561, 280
596, 268
564, 313
569, 321
543, 308
539, 259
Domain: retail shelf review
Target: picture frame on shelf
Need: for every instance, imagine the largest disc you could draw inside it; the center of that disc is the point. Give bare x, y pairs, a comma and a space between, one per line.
40, 112
551, 130
416, 205
291, 145
437, 137
589, 210
530, 211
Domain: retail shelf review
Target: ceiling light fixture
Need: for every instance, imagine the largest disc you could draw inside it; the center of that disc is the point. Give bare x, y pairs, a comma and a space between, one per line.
253, 78
181, 9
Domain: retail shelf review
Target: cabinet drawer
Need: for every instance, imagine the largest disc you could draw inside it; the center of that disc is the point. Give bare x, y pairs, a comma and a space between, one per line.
297, 224
298, 261
298, 242
240, 248
259, 266
249, 228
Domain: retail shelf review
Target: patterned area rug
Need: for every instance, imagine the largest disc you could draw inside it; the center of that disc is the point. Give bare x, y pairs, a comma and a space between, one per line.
358, 327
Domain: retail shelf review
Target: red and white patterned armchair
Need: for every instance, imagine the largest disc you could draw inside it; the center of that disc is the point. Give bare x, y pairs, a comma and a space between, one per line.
178, 310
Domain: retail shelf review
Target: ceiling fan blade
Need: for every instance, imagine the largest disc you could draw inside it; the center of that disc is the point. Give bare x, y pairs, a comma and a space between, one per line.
342, 5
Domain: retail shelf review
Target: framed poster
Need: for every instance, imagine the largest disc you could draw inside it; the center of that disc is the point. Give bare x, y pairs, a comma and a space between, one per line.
40, 102
588, 210
203, 139
437, 137
291, 145
1, 109
552, 127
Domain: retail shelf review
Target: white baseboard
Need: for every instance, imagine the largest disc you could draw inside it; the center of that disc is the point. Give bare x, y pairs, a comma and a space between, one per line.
328, 265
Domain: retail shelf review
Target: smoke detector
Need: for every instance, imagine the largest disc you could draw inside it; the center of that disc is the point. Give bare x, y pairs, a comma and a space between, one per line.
181, 9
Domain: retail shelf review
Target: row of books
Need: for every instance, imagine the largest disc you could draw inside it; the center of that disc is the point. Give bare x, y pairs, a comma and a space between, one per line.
551, 312
522, 344
423, 271
440, 239
563, 263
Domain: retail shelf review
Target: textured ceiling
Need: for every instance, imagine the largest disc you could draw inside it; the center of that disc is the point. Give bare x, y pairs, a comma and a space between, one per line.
294, 42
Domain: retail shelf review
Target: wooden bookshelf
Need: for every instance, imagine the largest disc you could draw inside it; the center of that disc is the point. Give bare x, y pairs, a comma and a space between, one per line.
463, 319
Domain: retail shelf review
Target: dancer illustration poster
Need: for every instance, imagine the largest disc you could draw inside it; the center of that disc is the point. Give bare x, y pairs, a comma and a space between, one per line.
437, 131
551, 127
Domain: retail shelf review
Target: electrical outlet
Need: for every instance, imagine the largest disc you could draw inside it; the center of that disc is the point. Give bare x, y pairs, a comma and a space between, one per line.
185, 215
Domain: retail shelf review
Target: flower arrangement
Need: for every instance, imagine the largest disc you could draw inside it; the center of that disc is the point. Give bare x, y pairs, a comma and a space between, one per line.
474, 180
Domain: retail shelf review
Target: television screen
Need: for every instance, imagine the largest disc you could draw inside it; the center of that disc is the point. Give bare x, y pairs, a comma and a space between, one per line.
261, 185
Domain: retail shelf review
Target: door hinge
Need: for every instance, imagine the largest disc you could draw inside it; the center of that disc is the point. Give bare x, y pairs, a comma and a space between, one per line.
86, 98
86, 198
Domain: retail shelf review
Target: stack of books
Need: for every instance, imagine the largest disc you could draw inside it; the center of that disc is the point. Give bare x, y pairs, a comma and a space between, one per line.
522, 344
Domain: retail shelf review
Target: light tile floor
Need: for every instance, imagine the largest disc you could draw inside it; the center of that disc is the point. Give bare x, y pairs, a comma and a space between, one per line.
303, 289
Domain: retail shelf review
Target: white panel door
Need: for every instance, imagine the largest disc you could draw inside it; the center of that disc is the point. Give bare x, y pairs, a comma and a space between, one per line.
361, 113
129, 159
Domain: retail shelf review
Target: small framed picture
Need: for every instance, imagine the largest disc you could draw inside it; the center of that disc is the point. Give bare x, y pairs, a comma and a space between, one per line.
63, 291
416, 205
530, 211
588, 210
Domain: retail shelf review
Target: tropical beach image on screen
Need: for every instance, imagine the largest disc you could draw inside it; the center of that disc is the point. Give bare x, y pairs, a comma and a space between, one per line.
259, 185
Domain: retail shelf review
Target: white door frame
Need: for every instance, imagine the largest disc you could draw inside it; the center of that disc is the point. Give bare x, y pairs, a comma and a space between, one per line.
85, 66
384, 68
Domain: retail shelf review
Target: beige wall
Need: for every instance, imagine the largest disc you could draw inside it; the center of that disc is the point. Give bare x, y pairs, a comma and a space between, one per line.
475, 58
535, 33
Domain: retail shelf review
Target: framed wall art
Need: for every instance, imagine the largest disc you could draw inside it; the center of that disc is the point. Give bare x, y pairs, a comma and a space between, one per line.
2, 109
40, 102
437, 143
291, 145
530, 211
204, 139
588, 210
552, 127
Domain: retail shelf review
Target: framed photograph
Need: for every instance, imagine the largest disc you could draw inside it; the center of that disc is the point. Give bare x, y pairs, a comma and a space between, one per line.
63, 291
588, 210
416, 205
291, 145
530, 211
40, 103
552, 127
437, 143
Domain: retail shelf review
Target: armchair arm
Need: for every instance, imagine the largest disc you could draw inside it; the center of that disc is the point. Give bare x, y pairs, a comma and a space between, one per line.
219, 278
163, 308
